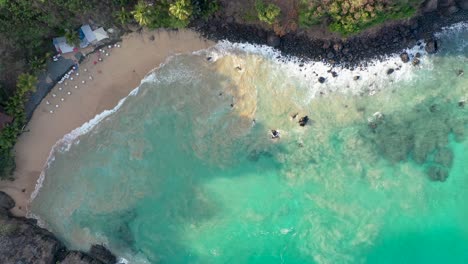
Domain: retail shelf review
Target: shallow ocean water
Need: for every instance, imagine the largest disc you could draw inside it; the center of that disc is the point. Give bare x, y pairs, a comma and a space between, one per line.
186, 171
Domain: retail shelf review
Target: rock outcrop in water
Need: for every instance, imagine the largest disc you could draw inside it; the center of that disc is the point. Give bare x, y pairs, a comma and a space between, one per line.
23, 241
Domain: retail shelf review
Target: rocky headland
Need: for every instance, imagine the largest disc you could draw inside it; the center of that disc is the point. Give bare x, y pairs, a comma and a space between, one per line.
23, 241
351, 51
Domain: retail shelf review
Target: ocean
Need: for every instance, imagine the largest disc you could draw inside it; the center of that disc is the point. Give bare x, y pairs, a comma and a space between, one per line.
207, 162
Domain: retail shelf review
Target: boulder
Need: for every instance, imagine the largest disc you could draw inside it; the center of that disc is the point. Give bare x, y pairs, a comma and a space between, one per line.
431, 46
22, 241
273, 40
334, 74
303, 121
321, 79
102, 254
429, 6
404, 57
275, 134
390, 71
6, 202
357, 77
416, 61
77, 257
463, 4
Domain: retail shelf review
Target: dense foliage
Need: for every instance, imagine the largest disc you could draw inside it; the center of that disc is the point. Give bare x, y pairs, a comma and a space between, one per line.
351, 16
15, 108
267, 12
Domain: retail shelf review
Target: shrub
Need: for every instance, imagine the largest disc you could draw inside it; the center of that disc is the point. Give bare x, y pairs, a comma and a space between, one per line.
267, 12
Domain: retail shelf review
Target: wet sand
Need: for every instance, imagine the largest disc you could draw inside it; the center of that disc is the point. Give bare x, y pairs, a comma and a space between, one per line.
112, 79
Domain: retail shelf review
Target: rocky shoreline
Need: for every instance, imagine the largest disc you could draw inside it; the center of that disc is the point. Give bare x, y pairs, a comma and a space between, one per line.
23, 241
348, 52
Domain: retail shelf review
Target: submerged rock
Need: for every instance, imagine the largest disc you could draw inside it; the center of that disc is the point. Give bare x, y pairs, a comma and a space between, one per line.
444, 157
437, 173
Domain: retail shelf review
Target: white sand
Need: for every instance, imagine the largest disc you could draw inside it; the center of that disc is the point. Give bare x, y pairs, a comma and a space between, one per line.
112, 79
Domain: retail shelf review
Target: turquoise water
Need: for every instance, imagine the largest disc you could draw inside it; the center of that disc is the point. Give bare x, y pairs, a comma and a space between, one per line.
186, 171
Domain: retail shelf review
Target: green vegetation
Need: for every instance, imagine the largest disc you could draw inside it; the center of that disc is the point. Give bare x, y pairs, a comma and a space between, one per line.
15, 108
267, 13
163, 14
7, 229
351, 16
181, 9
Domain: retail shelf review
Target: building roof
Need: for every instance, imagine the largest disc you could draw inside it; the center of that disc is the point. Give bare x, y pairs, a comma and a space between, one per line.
88, 33
4, 120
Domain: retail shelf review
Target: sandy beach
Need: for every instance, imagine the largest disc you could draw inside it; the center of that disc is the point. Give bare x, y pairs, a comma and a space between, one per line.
112, 79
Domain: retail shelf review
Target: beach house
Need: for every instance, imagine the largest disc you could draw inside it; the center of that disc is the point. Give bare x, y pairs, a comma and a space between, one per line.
87, 37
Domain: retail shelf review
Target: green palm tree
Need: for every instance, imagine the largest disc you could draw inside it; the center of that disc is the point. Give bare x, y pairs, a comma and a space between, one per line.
142, 14
122, 16
71, 36
181, 9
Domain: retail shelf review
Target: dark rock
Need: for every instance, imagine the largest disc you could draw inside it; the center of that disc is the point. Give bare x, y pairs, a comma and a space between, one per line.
6, 202
390, 71
321, 79
433, 108
437, 173
449, 10
461, 104
334, 74
357, 77
303, 121
416, 61
463, 4
151, 38
134, 27
337, 47
275, 134
229, 19
330, 55
77, 257
431, 46
326, 44
460, 73
417, 55
404, 57
21, 241
429, 6
273, 40
102, 254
